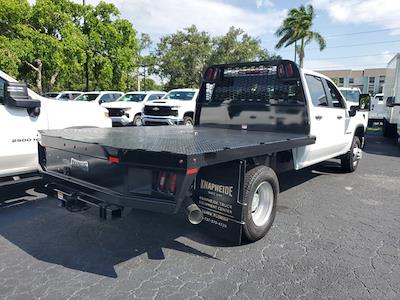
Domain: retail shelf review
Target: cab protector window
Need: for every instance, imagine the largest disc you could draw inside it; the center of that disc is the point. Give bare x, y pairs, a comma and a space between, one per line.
254, 85
317, 91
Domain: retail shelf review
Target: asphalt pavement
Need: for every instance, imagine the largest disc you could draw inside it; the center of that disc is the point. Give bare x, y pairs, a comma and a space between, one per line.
335, 236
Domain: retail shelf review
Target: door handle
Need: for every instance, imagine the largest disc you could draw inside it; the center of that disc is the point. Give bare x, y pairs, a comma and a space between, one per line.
339, 117
318, 117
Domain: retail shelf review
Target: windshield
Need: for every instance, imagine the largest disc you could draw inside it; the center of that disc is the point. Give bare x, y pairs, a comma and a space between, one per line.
179, 95
132, 97
351, 95
51, 95
87, 97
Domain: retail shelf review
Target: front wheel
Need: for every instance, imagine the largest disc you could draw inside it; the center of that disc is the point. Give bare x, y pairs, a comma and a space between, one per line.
188, 121
352, 158
137, 121
261, 189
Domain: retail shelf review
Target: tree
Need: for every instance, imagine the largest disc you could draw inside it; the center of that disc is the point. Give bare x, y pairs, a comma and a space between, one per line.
298, 27
237, 46
46, 44
112, 46
183, 56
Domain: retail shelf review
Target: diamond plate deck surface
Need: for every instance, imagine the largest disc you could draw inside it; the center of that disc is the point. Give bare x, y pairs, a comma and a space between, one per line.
175, 139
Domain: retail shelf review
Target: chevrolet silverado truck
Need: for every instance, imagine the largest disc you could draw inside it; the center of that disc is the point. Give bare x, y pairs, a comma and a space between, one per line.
22, 114
252, 121
175, 108
127, 110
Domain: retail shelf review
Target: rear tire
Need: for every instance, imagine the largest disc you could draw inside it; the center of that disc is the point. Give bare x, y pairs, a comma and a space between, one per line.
352, 158
261, 189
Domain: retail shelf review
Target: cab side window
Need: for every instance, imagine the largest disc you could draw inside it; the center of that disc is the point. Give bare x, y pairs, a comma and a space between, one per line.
337, 100
317, 91
2, 90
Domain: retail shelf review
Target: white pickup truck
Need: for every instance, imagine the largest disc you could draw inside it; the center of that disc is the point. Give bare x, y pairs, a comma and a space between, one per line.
22, 114
175, 108
252, 120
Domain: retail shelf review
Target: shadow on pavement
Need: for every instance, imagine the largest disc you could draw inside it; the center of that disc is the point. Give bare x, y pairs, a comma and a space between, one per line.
83, 242
379, 145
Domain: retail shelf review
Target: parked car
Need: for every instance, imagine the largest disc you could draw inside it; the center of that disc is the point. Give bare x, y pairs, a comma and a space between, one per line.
127, 110
22, 114
176, 107
99, 97
65, 95
221, 171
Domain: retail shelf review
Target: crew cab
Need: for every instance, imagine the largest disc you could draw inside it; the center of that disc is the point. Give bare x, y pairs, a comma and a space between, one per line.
99, 97
22, 114
252, 121
127, 110
175, 108
64, 95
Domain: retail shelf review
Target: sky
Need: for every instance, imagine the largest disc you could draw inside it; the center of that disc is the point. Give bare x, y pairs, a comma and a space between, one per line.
359, 33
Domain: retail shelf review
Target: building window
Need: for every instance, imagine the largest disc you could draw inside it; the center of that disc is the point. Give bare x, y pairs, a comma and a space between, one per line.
341, 81
381, 79
372, 80
351, 80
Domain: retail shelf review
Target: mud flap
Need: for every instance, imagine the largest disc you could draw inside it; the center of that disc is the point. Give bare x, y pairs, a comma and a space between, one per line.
219, 194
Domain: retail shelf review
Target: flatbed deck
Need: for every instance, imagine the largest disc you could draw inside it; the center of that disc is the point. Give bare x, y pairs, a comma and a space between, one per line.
183, 141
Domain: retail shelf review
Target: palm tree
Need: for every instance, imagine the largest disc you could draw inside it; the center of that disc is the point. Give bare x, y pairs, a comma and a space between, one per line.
297, 27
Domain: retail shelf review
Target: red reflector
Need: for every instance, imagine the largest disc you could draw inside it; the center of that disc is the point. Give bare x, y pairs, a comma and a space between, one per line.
192, 171
113, 159
172, 183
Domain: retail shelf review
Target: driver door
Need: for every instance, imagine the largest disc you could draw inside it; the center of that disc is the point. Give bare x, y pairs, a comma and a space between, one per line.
18, 138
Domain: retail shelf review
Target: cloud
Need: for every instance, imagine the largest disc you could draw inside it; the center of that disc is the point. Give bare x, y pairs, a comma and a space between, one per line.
215, 16
260, 3
382, 13
365, 62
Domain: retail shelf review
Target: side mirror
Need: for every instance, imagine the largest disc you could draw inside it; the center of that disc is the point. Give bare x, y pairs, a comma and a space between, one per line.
353, 111
16, 95
390, 101
364, 102
101, 101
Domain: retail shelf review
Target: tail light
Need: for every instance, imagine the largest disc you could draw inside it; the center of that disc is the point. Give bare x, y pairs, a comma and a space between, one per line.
163, 179
166, 182
172, 183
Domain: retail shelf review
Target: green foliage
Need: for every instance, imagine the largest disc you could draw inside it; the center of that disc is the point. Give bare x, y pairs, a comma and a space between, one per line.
49, 44
183, 56
46, 44
298, 27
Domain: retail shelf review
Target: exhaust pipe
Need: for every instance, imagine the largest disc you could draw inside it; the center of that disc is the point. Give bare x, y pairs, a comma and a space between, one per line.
194, 213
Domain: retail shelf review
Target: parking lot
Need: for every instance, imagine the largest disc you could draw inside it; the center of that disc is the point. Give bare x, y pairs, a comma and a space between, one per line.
335, 236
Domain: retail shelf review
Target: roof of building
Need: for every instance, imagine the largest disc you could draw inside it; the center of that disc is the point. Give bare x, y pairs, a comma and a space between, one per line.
354, 73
